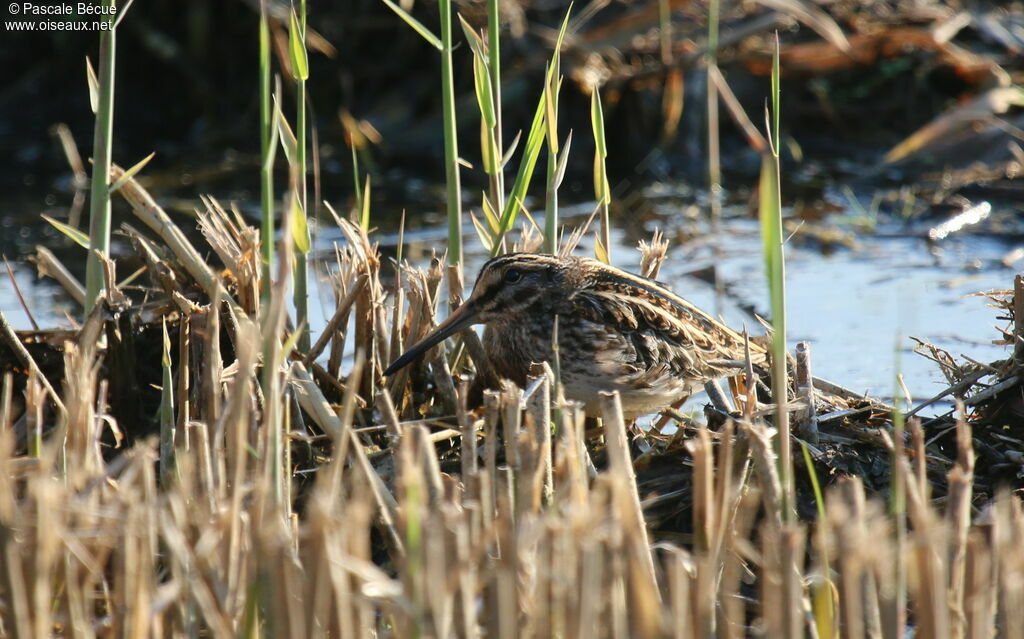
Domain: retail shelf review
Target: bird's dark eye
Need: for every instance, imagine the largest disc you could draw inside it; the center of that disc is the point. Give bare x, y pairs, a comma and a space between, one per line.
513, 275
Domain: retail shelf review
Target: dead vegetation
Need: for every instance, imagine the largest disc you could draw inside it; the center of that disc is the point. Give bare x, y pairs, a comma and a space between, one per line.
174, 466
288, 497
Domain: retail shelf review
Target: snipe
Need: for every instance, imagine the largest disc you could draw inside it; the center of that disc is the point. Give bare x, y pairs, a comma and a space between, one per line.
616, 331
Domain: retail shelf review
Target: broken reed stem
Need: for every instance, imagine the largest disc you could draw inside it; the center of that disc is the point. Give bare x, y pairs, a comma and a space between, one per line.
48, 265
341, 313
10, 338
620, 466
147, 210
808, 421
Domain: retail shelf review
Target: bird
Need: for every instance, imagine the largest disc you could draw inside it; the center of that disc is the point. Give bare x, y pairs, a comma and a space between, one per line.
615, 332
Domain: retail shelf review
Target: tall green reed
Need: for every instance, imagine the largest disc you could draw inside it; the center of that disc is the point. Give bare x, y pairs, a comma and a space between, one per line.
493, 237
266, 156
300, 228
490, 108
494, 66
451, 145
102, 100
775, 270
602, 191
556, 159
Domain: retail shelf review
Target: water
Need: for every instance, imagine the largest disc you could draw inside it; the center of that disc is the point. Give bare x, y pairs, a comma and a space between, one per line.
854, 306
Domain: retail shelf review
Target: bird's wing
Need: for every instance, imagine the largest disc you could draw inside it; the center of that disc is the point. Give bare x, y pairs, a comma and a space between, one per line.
663, 331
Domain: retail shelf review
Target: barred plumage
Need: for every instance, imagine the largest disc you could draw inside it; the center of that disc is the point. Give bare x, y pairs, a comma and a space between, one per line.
616, 331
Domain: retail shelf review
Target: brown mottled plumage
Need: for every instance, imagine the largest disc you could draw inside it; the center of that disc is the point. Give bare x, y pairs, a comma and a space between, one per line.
616, 331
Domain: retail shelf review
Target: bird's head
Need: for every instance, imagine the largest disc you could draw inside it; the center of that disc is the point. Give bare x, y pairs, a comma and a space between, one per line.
506, 288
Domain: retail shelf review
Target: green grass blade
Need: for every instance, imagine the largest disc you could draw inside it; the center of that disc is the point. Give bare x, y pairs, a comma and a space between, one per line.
772, 247
476, 44
527, 164
488, 149
300, 228
288, 142
552, 85
94, 86
776, 91
364, 210
71, 232
482, 232
484, 94
130, 173
563, 158
551, 109
597, 123
505, 159
493, 224
602, 190
297, 49
416, 25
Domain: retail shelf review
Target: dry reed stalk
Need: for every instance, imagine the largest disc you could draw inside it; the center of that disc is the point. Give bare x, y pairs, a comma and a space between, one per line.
958, 520
763, 454
35, 408
11, 339
418, 324
704, 525
620, 467
48, 265
979, 599
370, 331
926, 570
147, 210
238, 247
807, 417
538, 408
849, 527
441, 373
571, 459
183, 384
653, 254
917, 442
82, 449
534, 548
6, 396
488, 492
1007, 528
511, 420
339, 319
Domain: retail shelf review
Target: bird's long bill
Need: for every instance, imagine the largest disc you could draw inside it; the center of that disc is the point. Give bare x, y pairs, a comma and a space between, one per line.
460, 319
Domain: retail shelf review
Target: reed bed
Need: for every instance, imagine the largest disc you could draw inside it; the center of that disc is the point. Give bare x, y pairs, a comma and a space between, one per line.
276, 487
323, 500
